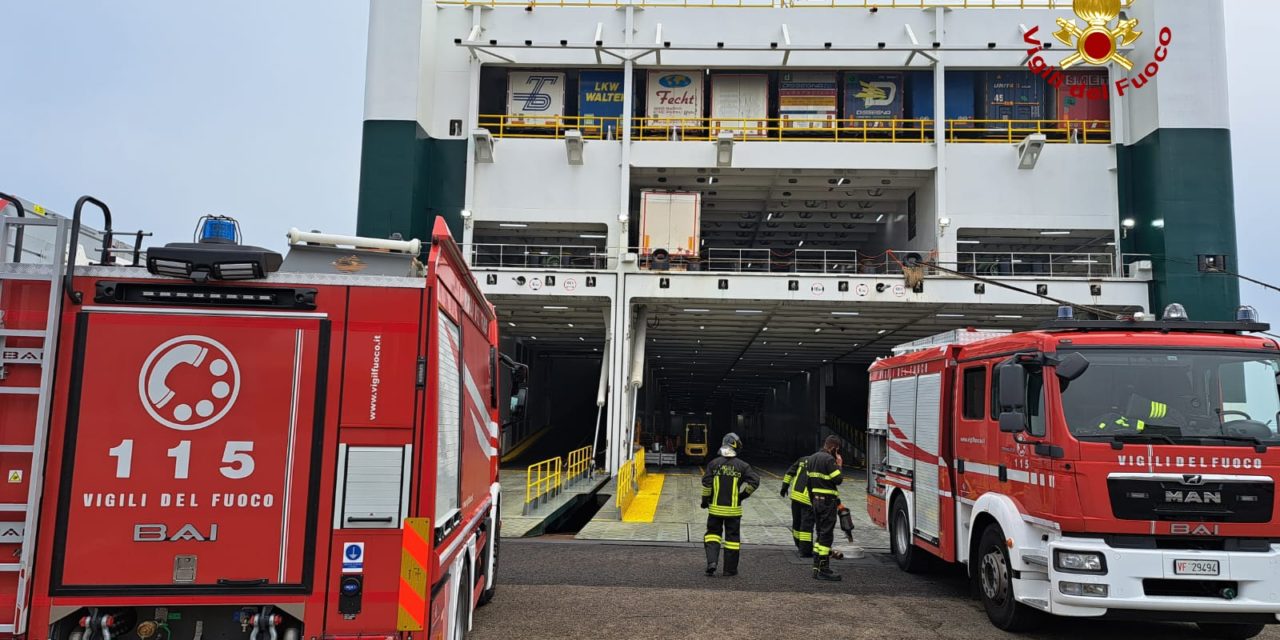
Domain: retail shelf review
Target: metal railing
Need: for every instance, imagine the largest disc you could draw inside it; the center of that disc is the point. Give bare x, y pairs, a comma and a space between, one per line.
542, 481
579, 465
779, 129
627, 488
817, 261
780, 261
1014, 131
630, 475
767, 4
550, 127
919, 130
529, 256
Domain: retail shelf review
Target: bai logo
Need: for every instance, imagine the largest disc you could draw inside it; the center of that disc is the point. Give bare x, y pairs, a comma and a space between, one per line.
189, 382
1097, 43
535, 99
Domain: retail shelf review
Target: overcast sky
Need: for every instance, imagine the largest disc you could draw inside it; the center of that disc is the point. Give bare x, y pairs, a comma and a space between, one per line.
170, 110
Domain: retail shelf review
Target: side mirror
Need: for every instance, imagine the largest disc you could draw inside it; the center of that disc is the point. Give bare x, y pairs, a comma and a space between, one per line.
1013, 398
1071, 367
518, 402
1013, 422
1013, 387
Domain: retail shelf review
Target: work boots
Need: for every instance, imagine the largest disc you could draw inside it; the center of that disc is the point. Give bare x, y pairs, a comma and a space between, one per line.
711, 568
822, 570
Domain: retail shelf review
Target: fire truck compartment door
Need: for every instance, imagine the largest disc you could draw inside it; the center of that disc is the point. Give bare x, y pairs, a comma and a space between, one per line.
928, 440
190, 456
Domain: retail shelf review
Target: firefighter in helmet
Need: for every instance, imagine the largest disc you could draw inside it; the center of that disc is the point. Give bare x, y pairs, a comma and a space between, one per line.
728, 481
823, 472
795, 484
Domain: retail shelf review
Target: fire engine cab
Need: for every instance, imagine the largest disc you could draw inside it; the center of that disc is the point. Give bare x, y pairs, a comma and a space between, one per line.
1119, 469
218, 441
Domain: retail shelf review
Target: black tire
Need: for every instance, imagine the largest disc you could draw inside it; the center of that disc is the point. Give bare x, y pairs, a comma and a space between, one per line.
994, 575
491, 574
1230, 630
908, 556
462, 609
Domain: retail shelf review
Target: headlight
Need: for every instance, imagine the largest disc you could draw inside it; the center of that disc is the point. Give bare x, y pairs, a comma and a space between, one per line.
1083, 589
1079, 562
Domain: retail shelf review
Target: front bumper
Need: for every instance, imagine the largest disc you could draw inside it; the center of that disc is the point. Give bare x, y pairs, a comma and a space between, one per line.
1256, 578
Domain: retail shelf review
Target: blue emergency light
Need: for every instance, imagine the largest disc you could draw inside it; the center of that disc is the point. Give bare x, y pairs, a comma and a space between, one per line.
218, 229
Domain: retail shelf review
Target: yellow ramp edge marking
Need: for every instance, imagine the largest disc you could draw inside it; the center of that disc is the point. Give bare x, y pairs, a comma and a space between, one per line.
645, 505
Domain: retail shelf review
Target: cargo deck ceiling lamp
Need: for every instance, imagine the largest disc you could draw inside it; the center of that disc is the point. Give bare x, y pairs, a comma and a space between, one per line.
483, 145
573, 146
1029, 151
1127, 225
215, 253
724, 149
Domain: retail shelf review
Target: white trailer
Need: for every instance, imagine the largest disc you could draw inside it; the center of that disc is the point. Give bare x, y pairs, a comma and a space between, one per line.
669, 223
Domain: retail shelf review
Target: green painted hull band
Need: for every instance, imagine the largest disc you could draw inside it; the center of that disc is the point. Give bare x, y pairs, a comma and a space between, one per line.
1182, 179
407, 180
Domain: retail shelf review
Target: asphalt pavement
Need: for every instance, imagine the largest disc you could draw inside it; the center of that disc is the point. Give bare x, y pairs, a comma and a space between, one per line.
565, 589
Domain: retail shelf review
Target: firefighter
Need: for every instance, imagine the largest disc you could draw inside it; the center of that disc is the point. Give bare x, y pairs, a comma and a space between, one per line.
823, 472
727, 483
1137, 414
796, 486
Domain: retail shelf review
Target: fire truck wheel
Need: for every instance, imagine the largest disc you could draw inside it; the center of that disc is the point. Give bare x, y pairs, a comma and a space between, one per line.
1229, 631
491, 574
908, 556
995, 585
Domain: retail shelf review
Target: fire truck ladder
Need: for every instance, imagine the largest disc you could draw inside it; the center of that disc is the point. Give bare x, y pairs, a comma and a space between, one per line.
12, 229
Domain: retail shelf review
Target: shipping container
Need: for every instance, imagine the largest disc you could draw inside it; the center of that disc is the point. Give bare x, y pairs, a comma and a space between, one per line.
669, 222
807, 100
960, 94
875, 96
535, 98
1014, 95
920, 95
1084, 102
740, 104
674, 98
962, 97
600, 102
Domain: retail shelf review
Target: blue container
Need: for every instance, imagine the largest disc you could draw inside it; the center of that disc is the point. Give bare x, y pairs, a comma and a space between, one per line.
920, 94
600, 98
1014, 95
962, 95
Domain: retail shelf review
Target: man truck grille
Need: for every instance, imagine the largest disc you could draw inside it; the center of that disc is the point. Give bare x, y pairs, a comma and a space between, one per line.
1133, 499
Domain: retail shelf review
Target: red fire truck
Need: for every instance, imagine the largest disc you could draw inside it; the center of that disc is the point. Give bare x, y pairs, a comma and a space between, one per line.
1119, 469
221, 442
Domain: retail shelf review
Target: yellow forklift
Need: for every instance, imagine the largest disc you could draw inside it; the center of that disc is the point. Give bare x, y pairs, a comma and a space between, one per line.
695, 441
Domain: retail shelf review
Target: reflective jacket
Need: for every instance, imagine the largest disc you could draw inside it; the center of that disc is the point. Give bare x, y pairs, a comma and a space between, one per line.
823, 474
727, 483
796, 481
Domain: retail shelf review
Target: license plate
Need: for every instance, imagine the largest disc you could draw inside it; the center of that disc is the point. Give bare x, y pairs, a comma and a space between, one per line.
1196, 567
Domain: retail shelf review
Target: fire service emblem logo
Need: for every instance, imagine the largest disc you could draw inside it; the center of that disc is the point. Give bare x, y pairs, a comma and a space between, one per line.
189, 382
1096, 43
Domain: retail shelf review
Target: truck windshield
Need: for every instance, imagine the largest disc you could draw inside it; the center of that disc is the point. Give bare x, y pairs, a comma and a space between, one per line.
697, 434
1184, 397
